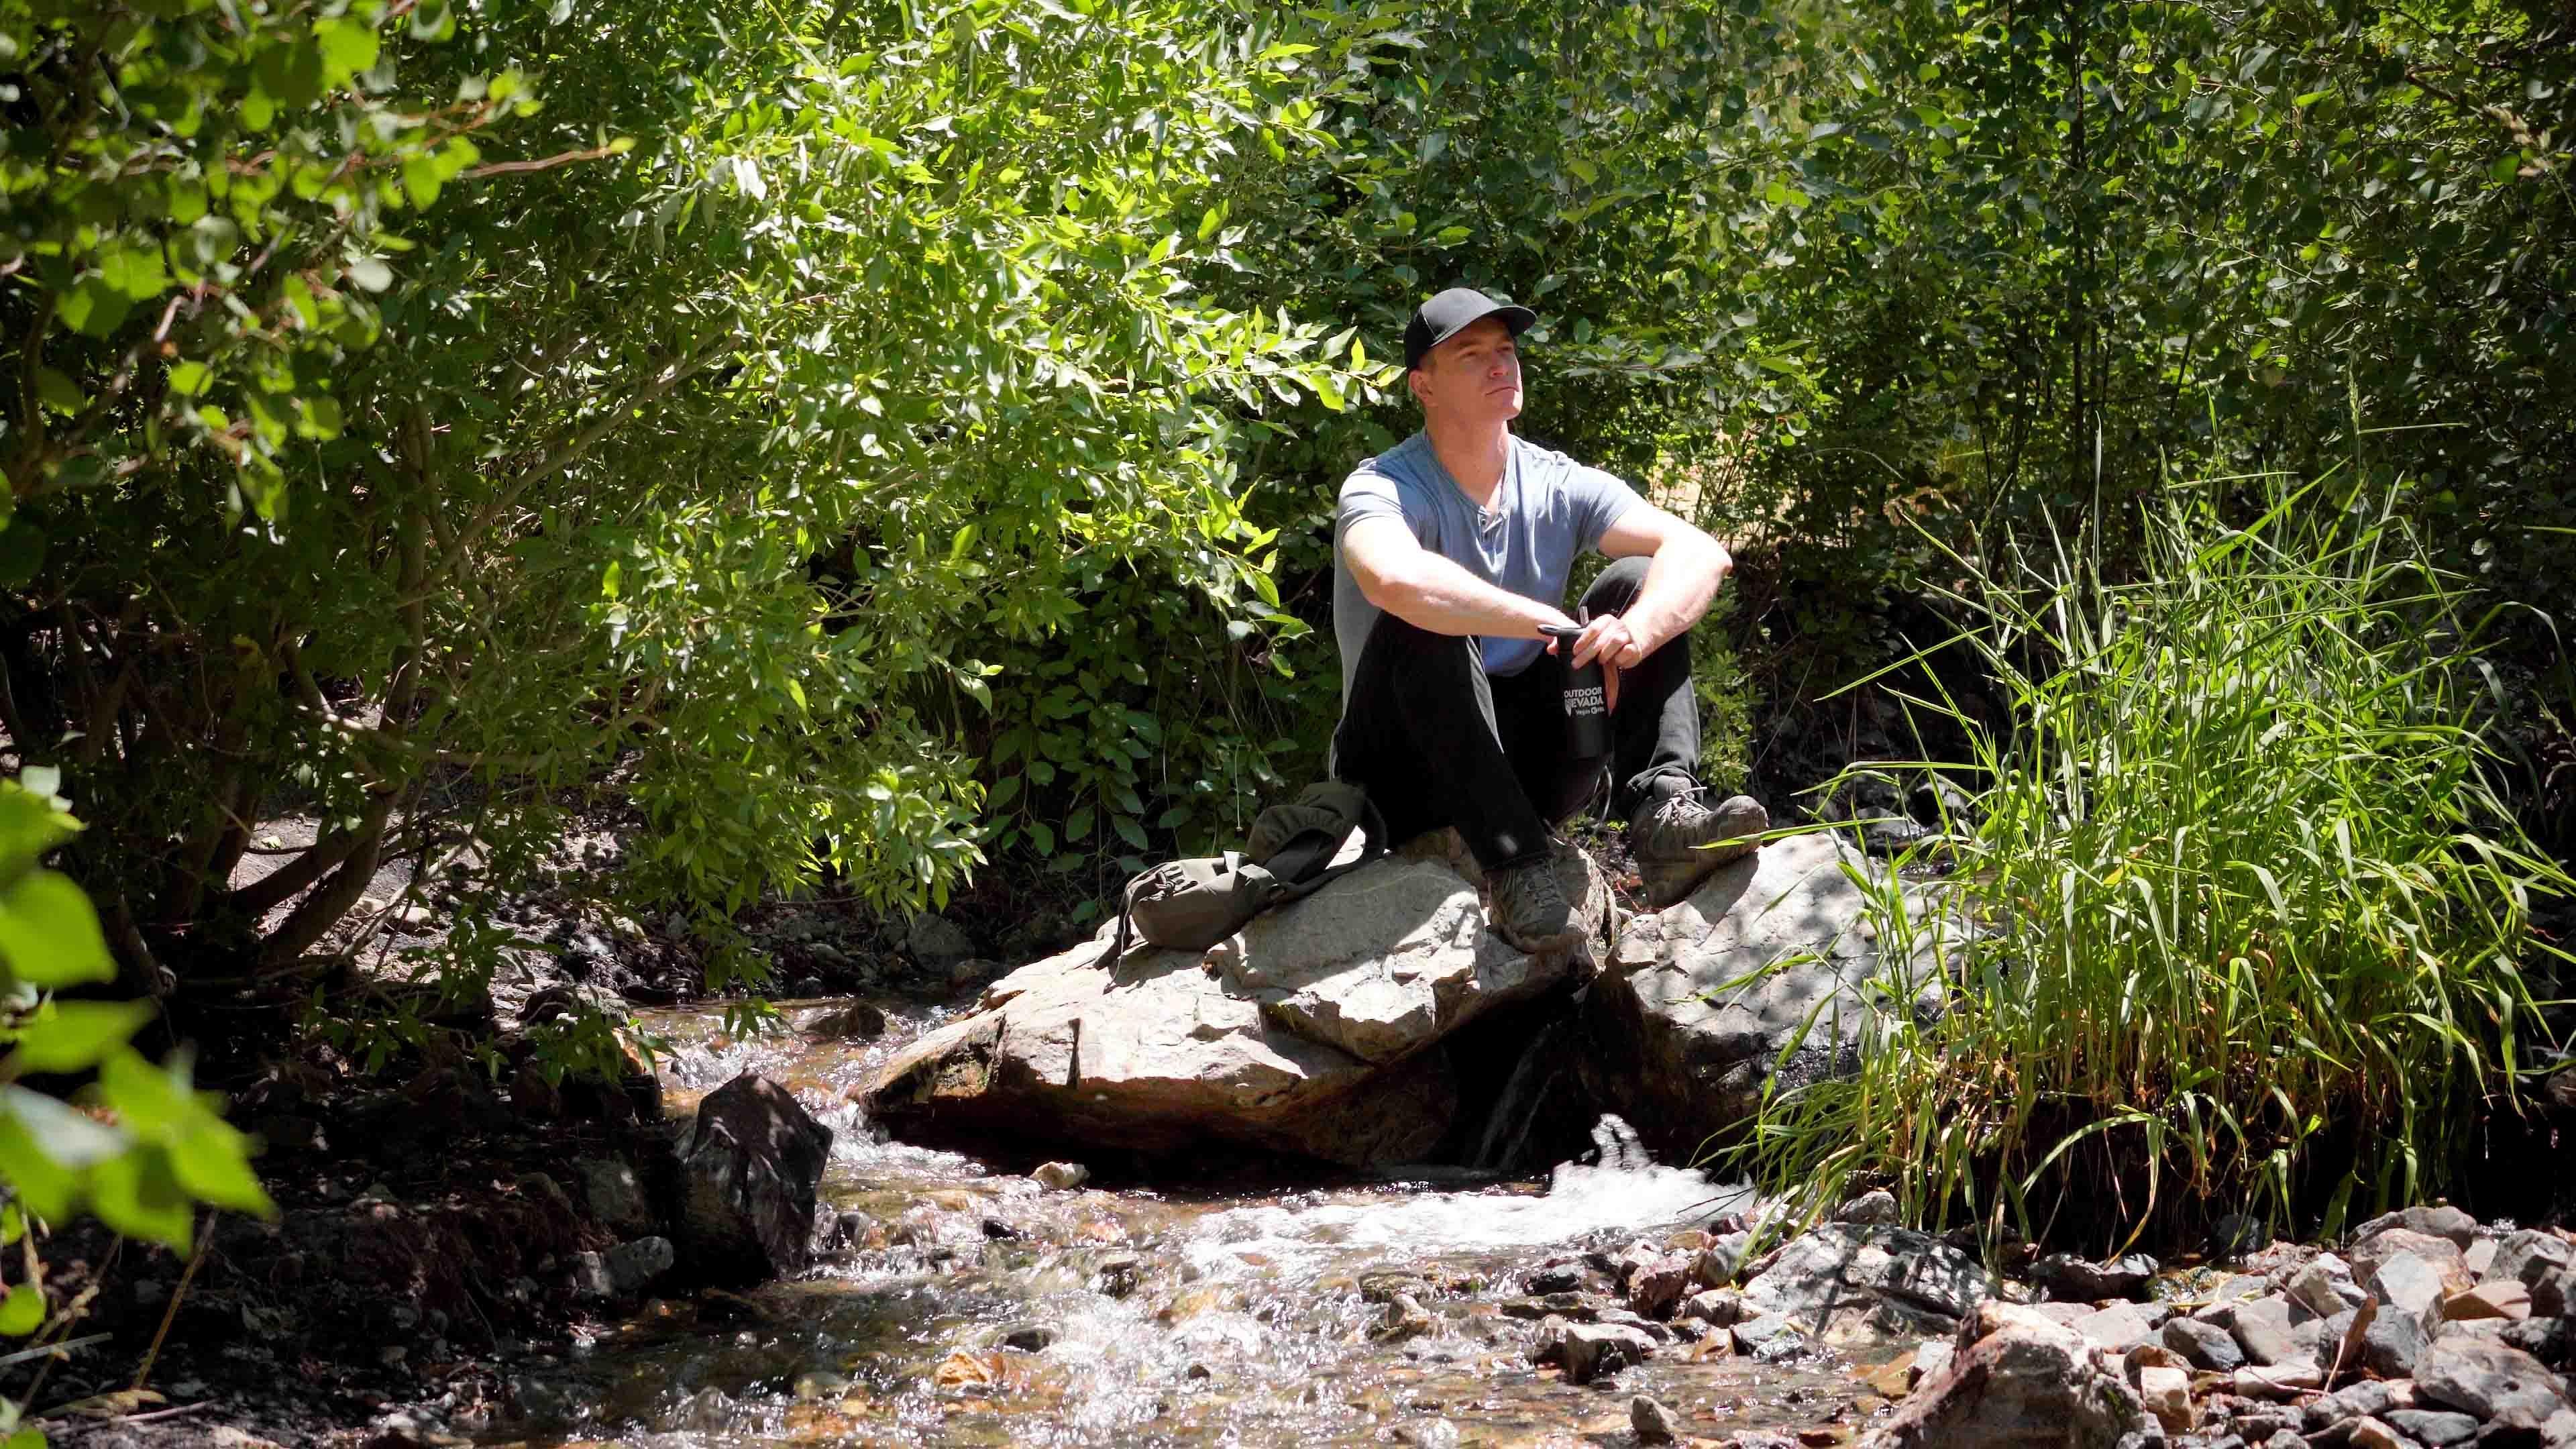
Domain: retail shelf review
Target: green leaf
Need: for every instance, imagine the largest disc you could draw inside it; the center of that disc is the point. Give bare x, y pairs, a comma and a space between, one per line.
49, 933
70, 1036
59, 392
1004, 793
1129, 831
22, 551
370, 274
348, 47
23, 1312
135, 271
92, 308
138, 1195
189, 379
1078, 827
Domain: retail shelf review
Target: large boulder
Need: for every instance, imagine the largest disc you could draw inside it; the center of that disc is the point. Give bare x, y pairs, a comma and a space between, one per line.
748, 1177
1694, 1006
1315, 1030
2016, 1381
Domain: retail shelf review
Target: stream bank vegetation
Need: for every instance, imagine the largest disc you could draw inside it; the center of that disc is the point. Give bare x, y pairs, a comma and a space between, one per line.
2248, 926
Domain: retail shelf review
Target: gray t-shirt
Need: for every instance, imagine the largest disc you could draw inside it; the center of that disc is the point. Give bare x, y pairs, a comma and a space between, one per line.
1548, 510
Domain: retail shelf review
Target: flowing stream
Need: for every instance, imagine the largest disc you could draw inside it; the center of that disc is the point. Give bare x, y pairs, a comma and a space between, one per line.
973, 1308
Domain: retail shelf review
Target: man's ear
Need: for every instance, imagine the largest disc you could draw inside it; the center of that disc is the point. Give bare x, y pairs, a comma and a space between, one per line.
1413, 382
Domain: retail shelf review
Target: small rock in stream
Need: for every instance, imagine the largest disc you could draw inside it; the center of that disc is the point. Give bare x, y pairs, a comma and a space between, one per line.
1029, 1337
1653, 1422
1586, 1351
1061, 1176
1403, 1318
1119, 1273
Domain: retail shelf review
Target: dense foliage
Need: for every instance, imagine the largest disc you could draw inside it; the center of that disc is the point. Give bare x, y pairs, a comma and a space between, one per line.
2241, 925
884, 438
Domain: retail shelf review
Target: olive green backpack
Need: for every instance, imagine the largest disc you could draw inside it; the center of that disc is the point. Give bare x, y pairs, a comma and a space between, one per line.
1192, 904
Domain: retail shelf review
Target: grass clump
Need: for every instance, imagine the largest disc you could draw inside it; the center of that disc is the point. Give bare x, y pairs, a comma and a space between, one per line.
2251, 925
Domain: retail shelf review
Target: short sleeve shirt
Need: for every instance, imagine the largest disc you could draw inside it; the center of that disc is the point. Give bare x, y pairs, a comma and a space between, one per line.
1547, 511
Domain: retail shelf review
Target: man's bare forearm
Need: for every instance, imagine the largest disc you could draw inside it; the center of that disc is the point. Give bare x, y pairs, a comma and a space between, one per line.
1681, 579
1434, 593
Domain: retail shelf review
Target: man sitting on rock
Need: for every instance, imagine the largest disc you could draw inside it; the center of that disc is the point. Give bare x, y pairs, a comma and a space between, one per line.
1452, 549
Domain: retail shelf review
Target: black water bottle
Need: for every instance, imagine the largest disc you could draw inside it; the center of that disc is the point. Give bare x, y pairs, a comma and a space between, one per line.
1587, 707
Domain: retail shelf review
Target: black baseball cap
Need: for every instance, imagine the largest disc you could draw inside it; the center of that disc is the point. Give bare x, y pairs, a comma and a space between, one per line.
1451, 313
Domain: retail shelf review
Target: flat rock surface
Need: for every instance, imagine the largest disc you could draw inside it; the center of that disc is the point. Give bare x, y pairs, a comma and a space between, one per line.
1314, 1030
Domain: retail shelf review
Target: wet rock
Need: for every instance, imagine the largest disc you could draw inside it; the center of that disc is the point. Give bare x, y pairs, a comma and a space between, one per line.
820, 1384
1315, 1030
615, 1194
1652, 1422
1657, 1286
2019, 1381
858, 1021
1557, 1278
1768, 1337
1118, 1274
1717, 1307
1845, 1280
1932, 1358
624, 1270
2438, 1222
1061, 1176
936, 942
1719, 1262
1586, 1351
1877, 1207
1030, 1337
1688, 1053
2081, 1280
2434, 1427
2486, 1378
1403, 1317
2540, 1262
2205, 1345
748, 1174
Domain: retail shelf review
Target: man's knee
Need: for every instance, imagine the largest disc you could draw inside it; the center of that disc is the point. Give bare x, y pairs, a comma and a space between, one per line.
1617, 587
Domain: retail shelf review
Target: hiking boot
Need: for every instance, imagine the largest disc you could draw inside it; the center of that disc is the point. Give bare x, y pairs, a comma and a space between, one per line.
1526, 905
1679, 841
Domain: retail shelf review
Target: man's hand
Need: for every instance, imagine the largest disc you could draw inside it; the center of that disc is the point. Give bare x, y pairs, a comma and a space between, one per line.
1611, 641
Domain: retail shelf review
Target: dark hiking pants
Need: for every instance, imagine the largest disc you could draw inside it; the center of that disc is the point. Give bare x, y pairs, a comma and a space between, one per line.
1436, 741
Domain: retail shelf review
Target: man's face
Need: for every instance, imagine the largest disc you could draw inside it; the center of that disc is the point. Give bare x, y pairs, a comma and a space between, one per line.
1473, 377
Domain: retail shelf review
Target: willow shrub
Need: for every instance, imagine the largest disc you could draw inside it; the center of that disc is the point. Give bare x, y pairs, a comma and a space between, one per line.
2252, 927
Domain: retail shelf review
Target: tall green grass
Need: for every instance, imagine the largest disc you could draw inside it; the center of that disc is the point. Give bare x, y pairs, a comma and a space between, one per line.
2250, 925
